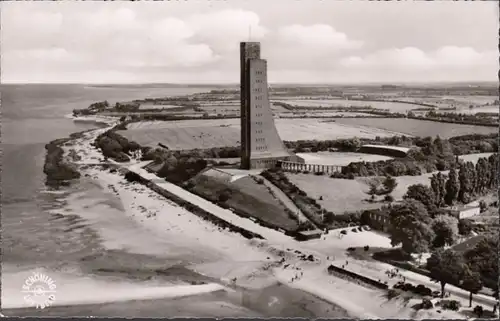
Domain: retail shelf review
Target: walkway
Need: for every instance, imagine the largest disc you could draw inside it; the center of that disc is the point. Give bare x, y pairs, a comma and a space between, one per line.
285, 200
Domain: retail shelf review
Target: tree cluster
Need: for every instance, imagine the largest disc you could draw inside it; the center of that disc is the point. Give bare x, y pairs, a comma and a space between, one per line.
116, 146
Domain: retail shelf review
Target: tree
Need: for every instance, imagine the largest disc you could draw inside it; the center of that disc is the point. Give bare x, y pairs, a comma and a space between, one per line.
423, 194
446, 229
389, 184
452, 187
471, 281
464, 226
410, 227
483, 258
465, 179
438, 186
446, 266
374, 187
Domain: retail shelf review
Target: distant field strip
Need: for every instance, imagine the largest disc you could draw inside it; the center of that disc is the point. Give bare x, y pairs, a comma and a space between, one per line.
416, 127
190, 134
392, 106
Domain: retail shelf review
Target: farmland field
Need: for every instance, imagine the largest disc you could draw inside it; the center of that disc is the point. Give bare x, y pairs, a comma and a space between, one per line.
153, 106
339, 158
208, 133
414, 127
392, 106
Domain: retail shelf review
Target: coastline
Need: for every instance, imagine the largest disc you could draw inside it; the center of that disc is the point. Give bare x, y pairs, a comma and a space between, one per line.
229, 257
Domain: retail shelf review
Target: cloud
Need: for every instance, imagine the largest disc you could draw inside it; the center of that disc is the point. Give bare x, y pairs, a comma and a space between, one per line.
318, 36
181, 42
447, 63
225, 29
414, 58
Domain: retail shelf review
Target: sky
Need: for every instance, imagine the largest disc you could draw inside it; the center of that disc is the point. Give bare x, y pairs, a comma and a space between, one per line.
197, 41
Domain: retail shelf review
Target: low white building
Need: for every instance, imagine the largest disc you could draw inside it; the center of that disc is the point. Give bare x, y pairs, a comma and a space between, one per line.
464, 211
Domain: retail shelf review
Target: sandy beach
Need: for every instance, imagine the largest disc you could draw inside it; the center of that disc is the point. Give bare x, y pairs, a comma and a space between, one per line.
235, 261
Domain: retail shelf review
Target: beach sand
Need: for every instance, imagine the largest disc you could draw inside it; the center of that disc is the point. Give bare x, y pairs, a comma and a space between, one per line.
236, 262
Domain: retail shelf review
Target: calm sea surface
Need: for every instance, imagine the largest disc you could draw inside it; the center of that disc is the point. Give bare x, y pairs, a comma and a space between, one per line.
79, 236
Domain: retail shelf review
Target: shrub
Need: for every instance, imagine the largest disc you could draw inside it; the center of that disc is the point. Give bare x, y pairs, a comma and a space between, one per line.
392, 254
343, 232
305, 172
464, 227
132, 177
453, 305
426, 304
389, 198
366, 248
351, 249
354, 230
478, 310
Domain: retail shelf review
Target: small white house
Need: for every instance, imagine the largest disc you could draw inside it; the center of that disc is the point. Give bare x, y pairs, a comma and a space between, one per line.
465, 211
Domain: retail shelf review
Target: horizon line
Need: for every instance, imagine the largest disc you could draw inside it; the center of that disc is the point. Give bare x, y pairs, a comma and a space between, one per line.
269, 83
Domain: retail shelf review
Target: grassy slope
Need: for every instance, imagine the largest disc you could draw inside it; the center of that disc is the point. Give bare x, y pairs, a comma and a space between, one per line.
248, 198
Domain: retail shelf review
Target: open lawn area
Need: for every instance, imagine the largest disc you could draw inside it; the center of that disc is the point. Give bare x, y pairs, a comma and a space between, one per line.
414, 127
346, 195
339, 158
208, 133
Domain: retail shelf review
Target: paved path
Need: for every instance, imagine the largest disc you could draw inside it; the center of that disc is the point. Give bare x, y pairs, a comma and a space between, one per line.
285, 200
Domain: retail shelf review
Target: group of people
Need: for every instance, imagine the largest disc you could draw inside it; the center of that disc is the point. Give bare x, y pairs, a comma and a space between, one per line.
395, 273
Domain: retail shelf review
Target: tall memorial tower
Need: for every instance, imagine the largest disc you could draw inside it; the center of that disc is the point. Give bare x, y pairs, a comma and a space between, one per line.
261, 145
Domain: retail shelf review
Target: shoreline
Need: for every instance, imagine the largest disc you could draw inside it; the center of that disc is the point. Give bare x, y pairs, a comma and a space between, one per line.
259, 258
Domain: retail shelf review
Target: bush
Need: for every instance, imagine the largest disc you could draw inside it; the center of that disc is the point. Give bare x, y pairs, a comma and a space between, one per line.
366, 248
392, 254
351, 249
453, 305
426, 304
389, 198
464, 227
343, 232
478, 310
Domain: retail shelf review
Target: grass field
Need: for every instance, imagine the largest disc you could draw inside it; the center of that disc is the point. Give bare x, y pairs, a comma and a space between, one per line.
339, 158
190, 134
474, 157
247, 197
344, 195
414, 127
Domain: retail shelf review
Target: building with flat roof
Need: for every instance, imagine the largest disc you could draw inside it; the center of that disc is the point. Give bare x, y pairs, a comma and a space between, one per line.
261, 145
